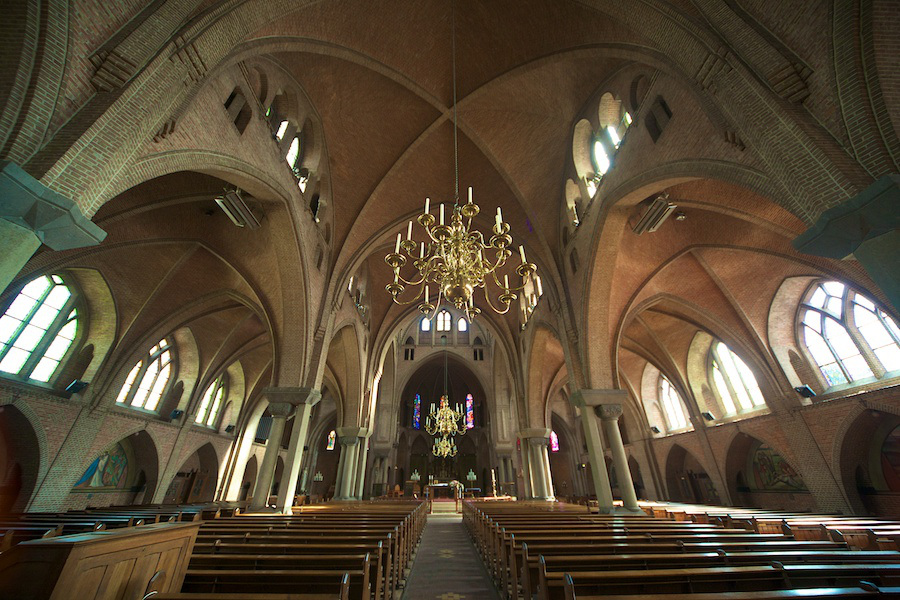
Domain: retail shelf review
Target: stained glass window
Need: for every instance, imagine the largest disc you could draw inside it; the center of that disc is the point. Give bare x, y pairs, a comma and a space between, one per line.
332, 436
470, 412
417, 412
152, 373
734, 381
554, 442
672, 405
38, 328
837, 323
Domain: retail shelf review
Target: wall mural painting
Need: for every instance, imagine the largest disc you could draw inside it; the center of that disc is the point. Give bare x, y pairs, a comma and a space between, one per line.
772, 472
109, 471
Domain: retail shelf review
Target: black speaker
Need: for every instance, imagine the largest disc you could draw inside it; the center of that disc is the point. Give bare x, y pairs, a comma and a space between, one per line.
805, 391
708, 416
76, 386
176, 414
654, 429
229, 429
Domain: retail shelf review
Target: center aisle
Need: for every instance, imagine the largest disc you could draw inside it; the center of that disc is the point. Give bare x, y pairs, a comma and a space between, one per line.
447, 566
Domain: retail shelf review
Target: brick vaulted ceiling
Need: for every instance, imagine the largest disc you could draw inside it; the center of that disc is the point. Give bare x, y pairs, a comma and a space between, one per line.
379, 75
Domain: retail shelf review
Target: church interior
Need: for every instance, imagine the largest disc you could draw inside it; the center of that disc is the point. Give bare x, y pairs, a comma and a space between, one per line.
243, 356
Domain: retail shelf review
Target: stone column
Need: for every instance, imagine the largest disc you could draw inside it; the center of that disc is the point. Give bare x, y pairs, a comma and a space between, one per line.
538, 462
32, 214
348, 437
280, 412
304, 399
609, 414
867, 228
585, 401
524, 456
360, 478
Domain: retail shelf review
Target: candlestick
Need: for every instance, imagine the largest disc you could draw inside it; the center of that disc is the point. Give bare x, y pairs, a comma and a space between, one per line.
442, 213
397, 245
470, 195
409, 231
426, 294
427, 205
422, 250
522, 253
499, 217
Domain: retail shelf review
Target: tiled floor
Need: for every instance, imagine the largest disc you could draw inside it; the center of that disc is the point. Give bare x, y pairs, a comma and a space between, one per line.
447, 566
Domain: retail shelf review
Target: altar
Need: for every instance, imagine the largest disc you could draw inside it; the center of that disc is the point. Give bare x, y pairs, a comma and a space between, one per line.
442, 491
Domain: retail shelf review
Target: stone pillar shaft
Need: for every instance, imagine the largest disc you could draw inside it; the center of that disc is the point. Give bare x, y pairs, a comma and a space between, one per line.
610, 416
586, 400
305, 399
348, 437
280, 412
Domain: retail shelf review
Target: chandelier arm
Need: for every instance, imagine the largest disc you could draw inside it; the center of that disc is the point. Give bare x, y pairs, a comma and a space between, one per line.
494, 308
413, 283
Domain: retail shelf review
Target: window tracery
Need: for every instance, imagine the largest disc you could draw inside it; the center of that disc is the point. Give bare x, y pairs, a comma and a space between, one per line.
848, 336
672, 405
212, 402
38, 328
734, 381
150, 374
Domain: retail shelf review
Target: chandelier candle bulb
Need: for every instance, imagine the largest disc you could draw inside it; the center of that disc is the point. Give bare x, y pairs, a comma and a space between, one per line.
397, 246
442, 213
422, 250
470, 194
540, 289
409, 231
506, 281
427, 205
499, 218
522, 253
426, 294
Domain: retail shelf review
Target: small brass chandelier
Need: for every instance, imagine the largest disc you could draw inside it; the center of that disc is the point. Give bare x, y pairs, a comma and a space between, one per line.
446, 423
454, 257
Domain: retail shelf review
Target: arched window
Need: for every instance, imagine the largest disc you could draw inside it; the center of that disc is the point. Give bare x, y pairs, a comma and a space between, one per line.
470, 412
443, 321
212, 402
332, 436
282, 128
554, 442
848, 336
293, 154
38, 328
600, 157
417, 412
462, 324
426, 324
672, 406
734, 381
145, 383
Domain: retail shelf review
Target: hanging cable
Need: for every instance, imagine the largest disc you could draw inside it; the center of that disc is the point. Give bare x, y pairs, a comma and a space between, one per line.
455, 113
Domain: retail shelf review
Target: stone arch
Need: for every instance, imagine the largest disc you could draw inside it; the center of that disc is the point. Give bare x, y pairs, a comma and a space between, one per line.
758, 475
545, 362
637, 477
687, 479
609, 110
344, 365
23, 458
196, 478
248, 480
581, 149
860, 462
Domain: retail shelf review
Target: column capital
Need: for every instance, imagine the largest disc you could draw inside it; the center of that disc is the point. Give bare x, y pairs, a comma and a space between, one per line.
534, 433
583, 398
537, 442
55, 220
292, 395
348, 440
356, 432
610, 412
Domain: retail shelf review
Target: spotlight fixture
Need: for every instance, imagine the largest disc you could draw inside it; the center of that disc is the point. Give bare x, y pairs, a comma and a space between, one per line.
234, 206
655, 215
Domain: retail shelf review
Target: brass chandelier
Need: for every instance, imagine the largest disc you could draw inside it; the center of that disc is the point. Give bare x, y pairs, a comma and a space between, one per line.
445, 423
454, 257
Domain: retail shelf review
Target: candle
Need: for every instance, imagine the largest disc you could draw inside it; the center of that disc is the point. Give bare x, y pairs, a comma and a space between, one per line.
397, 245
426, 294
470, 195
540, 289
522, 253
427, 205
409, 231
506, 281
422, 250
499, 217
442, 213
